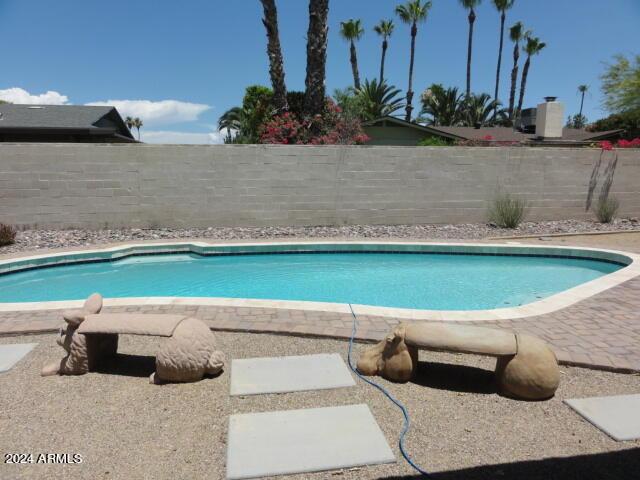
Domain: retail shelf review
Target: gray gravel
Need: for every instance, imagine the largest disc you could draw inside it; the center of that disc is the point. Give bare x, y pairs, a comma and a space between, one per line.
28, 240
128, 429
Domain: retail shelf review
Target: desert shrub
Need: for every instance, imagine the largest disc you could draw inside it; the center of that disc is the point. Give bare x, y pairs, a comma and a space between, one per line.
606, 209
507, 211
434, 142
7, 234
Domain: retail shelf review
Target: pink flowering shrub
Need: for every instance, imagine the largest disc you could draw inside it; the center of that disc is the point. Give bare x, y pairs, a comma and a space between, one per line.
331, 128
607, 145
635, 143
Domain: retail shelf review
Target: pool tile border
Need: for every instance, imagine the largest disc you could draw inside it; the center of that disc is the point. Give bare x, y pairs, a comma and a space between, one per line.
541, 307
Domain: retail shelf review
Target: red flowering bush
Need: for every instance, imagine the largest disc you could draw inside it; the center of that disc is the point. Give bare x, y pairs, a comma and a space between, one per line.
282, 129
331, 128
607, 145
635, 143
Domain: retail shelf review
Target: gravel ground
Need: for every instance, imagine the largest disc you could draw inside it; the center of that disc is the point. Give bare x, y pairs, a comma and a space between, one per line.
126, 428
28, 240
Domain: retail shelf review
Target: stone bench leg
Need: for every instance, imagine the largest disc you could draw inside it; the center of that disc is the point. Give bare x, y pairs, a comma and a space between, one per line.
530, 374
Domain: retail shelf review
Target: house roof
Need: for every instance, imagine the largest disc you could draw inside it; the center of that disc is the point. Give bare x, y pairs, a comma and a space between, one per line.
78, 119
497, 134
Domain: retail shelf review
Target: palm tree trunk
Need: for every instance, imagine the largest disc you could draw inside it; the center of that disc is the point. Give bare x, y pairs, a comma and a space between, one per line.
409, 108
276, 67
354, 66
514, 79
314, 96
503, 17
523, 85
385, 44
472, 19
138, 133
581, 103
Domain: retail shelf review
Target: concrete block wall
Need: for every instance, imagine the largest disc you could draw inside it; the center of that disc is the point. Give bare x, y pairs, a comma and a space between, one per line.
95, 186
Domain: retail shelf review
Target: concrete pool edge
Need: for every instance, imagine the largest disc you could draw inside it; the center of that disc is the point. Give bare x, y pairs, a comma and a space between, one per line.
544, 306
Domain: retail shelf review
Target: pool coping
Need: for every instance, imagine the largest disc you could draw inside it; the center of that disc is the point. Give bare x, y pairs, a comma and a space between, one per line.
547, 305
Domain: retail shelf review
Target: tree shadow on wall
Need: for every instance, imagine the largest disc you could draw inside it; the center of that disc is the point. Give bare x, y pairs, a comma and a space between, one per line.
608, 174
620, 465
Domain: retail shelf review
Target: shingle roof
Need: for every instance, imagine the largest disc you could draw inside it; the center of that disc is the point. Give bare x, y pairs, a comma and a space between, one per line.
506, 134
62, 117
497, 134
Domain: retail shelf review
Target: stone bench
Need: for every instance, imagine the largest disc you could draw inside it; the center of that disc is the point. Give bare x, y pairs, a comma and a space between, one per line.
526, 367
90, 336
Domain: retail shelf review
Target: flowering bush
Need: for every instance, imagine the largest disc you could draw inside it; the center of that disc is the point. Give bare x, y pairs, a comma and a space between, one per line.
331, 128
607, 145
282, 129
635, 143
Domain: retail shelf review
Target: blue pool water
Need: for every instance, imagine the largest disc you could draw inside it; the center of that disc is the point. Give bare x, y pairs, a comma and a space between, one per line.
425, 281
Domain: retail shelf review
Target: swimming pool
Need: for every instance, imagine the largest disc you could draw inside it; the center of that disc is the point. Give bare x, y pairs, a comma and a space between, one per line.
430, 279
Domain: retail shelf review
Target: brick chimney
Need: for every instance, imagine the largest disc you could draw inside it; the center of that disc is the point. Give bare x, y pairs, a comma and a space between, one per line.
549, 119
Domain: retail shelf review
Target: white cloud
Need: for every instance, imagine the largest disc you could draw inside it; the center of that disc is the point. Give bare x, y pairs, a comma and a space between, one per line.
171, 137
159, 112
19, 95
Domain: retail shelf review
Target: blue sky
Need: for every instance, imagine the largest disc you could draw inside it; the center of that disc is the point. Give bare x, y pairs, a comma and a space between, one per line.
179, 65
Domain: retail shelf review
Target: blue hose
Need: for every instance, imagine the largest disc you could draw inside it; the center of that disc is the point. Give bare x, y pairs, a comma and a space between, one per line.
405, 413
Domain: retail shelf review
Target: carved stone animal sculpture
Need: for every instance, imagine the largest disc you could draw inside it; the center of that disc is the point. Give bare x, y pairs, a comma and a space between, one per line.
526, 367
187, 355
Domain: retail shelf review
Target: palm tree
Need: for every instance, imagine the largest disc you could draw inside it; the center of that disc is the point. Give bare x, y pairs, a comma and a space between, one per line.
412, 13
377, 99
276, 63
582, 89
445, 107
352, 31
129, 122
516, 33
314, 95
470, 5
384, 29
234, 122
479, 110
533, 47
502, 6
137, 123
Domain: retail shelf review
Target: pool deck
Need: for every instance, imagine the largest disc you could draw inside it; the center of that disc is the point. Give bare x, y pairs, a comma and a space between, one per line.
602, 331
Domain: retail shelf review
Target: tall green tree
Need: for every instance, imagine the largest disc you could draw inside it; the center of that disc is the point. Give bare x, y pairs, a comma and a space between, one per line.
517, 34
621, 84
533, 47
129, 122
352, 31
276, 63
412, 13
502, 6
582, 89
314, 95
470, 5
385, 30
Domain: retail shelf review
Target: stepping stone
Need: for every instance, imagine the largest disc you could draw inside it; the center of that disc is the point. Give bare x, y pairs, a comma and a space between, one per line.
301, 441
12, 353
617, 416
253, 376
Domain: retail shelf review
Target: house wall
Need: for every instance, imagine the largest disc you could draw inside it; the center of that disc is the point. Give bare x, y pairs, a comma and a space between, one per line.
394, 135
84, 185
